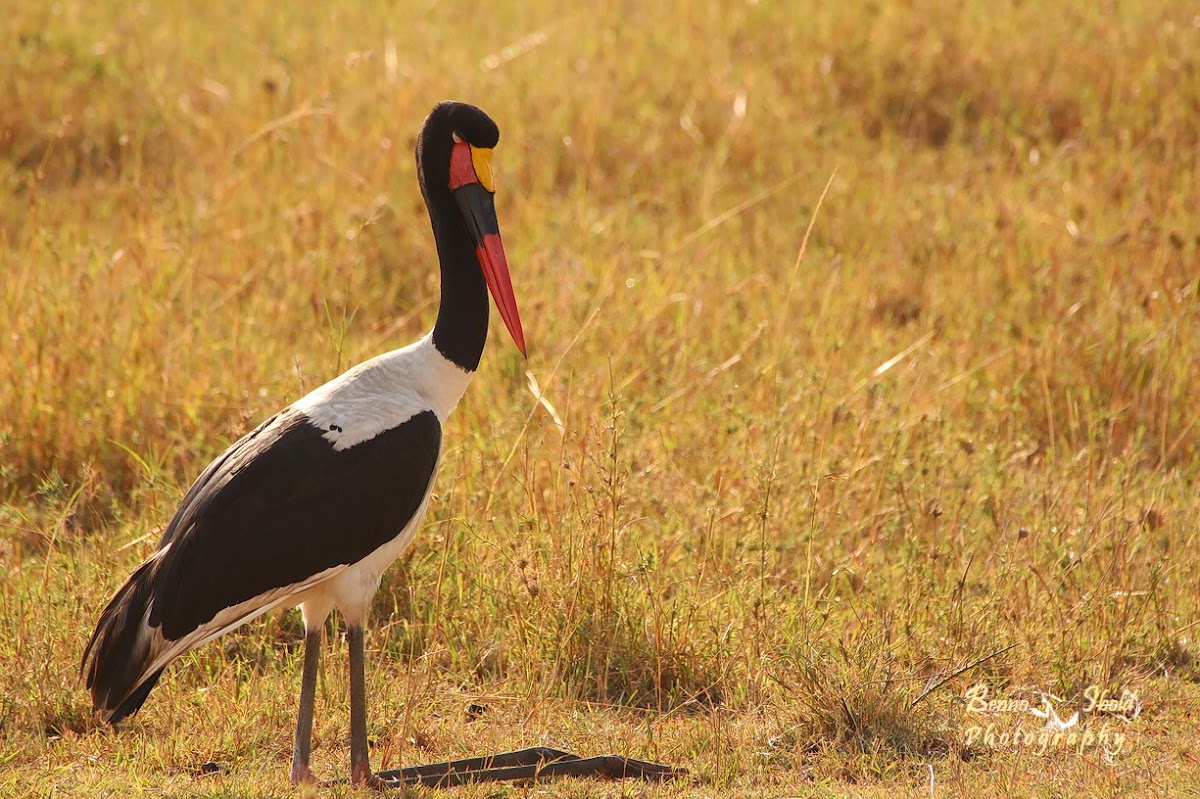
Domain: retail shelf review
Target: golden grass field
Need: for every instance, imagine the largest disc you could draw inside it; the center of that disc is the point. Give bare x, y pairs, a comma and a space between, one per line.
783, 506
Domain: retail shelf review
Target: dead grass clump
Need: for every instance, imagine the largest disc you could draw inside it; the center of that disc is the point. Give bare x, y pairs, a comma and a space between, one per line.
612, 658
848, 704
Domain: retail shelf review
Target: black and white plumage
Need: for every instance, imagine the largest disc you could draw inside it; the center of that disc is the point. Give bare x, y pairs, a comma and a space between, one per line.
312, 506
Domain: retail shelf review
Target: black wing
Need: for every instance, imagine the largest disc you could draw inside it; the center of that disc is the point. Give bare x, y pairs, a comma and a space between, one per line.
282, 505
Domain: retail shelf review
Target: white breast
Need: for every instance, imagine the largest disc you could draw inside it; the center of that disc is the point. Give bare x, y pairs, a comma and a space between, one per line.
385, 392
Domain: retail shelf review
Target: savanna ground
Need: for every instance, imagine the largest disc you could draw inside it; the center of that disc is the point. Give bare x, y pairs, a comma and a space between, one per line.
776, 515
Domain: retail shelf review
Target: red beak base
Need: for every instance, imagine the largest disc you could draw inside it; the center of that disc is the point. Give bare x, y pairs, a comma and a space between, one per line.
495, 270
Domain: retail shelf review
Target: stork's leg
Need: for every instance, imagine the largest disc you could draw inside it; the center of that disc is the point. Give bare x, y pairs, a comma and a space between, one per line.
308, 690
360, 761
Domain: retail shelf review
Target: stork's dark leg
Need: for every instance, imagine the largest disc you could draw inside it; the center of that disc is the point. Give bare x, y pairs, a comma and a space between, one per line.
360, 761
308, 690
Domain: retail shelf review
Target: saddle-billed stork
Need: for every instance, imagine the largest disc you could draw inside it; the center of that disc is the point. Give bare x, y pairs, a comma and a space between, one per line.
312, 506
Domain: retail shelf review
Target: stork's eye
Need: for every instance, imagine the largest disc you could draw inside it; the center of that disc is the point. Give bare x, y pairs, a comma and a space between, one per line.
457, 138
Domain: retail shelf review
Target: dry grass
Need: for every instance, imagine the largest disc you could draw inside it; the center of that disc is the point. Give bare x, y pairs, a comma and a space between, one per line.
789, 498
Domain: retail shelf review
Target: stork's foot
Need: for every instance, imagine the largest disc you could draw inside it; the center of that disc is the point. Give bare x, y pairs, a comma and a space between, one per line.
527, 764
302, 774
363, 777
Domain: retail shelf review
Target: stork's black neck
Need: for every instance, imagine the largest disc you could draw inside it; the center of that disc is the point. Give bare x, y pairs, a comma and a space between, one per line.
462, 321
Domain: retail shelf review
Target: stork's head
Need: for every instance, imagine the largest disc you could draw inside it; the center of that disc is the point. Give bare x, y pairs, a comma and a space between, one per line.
454, 158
